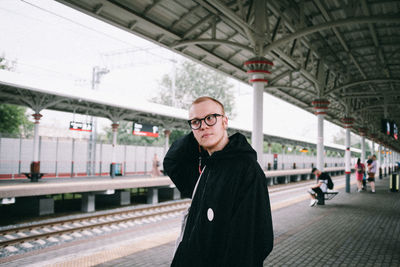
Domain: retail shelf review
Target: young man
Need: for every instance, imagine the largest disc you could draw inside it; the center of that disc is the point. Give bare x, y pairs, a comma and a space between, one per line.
372, 168
321, 186
229, 221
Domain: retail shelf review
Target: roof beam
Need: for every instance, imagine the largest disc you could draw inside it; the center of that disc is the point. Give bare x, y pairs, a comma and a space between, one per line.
339, 36
205, 20
227, 12
277, 86
212, 42
382, 80
375, 39
328, 25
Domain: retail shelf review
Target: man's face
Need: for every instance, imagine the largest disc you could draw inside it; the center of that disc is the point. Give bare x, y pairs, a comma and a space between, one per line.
209, 137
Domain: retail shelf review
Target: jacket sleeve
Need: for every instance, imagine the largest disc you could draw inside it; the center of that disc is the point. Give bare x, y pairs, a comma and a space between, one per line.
250, 235
181, 164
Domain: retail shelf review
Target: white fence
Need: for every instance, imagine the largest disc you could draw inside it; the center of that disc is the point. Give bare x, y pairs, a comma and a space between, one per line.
57, 156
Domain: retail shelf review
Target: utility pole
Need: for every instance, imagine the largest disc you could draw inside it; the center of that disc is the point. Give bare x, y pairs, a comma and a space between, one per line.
97, 72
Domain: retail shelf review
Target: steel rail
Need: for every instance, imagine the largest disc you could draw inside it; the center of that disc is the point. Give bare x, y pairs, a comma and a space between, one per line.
92, 225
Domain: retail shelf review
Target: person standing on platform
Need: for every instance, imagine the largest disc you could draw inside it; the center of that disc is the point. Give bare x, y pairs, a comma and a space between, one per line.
368, 165
155, 171
229, 221
360, 172
371, 173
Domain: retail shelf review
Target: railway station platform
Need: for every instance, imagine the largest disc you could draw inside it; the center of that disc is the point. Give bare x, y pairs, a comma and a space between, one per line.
37, 197
356, 229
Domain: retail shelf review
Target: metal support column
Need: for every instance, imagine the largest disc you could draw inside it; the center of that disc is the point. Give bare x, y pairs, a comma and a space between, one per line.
35, 164
19, 154
35, 151
373, 148
167, 133
348, 122
101, 158
257, 135
124, 169
320, 107
257, 68
380, 161
362, 148
384, 161
56, 162
114, 144
73, 157
392, 159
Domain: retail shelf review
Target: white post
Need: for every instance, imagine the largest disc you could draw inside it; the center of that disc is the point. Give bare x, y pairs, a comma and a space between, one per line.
114, 144
384, 161
257, 68
35, 156
320, 143
320, 107
73, 157
362, 148
373, 148
257, 136
347, 154
167, 133
56, 163
347, 157
380, 161
392, 158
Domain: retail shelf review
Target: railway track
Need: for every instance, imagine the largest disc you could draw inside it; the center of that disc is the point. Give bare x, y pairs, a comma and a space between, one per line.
64, 230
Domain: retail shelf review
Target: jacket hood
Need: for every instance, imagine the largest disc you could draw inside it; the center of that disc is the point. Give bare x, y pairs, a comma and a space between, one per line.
237, 146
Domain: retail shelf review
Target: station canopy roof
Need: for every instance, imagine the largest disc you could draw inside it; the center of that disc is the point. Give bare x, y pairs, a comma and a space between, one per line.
343, 51
28, 91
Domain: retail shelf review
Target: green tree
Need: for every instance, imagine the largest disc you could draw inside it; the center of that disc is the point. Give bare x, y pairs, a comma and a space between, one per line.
13, 119
6, 64
192, 81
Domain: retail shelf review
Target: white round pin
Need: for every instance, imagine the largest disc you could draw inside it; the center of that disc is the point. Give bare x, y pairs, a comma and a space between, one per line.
210, 214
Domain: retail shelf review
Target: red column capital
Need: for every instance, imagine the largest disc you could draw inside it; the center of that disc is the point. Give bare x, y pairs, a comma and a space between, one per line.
37, 117
260, 66
115, 127
320, 106
348, 122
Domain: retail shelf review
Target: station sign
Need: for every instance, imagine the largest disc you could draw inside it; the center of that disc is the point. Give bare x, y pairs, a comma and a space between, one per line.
390, 128
80, 126
143, 129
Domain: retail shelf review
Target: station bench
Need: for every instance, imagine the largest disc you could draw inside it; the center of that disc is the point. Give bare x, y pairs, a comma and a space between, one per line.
35, 173
326, 196
34, 177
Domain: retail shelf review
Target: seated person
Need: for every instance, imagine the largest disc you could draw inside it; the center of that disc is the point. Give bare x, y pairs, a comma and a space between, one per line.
321, 186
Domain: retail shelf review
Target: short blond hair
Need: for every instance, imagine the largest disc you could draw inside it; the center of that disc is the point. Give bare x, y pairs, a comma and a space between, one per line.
205, 98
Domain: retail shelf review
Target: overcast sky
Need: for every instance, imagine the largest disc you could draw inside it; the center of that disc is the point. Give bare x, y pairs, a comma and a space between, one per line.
51, 42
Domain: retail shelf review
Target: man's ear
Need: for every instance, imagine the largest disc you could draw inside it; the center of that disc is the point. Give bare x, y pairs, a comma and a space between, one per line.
225, 122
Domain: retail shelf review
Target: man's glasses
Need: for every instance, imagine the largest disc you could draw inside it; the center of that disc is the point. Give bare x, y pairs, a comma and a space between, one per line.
210, 120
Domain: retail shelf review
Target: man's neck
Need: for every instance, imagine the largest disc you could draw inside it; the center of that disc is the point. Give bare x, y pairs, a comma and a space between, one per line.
220, 145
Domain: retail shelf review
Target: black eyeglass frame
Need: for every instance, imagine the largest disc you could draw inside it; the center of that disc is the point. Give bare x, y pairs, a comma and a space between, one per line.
216, 115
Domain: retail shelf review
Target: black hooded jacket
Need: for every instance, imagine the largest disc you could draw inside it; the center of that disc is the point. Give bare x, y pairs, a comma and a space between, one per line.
229, 222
